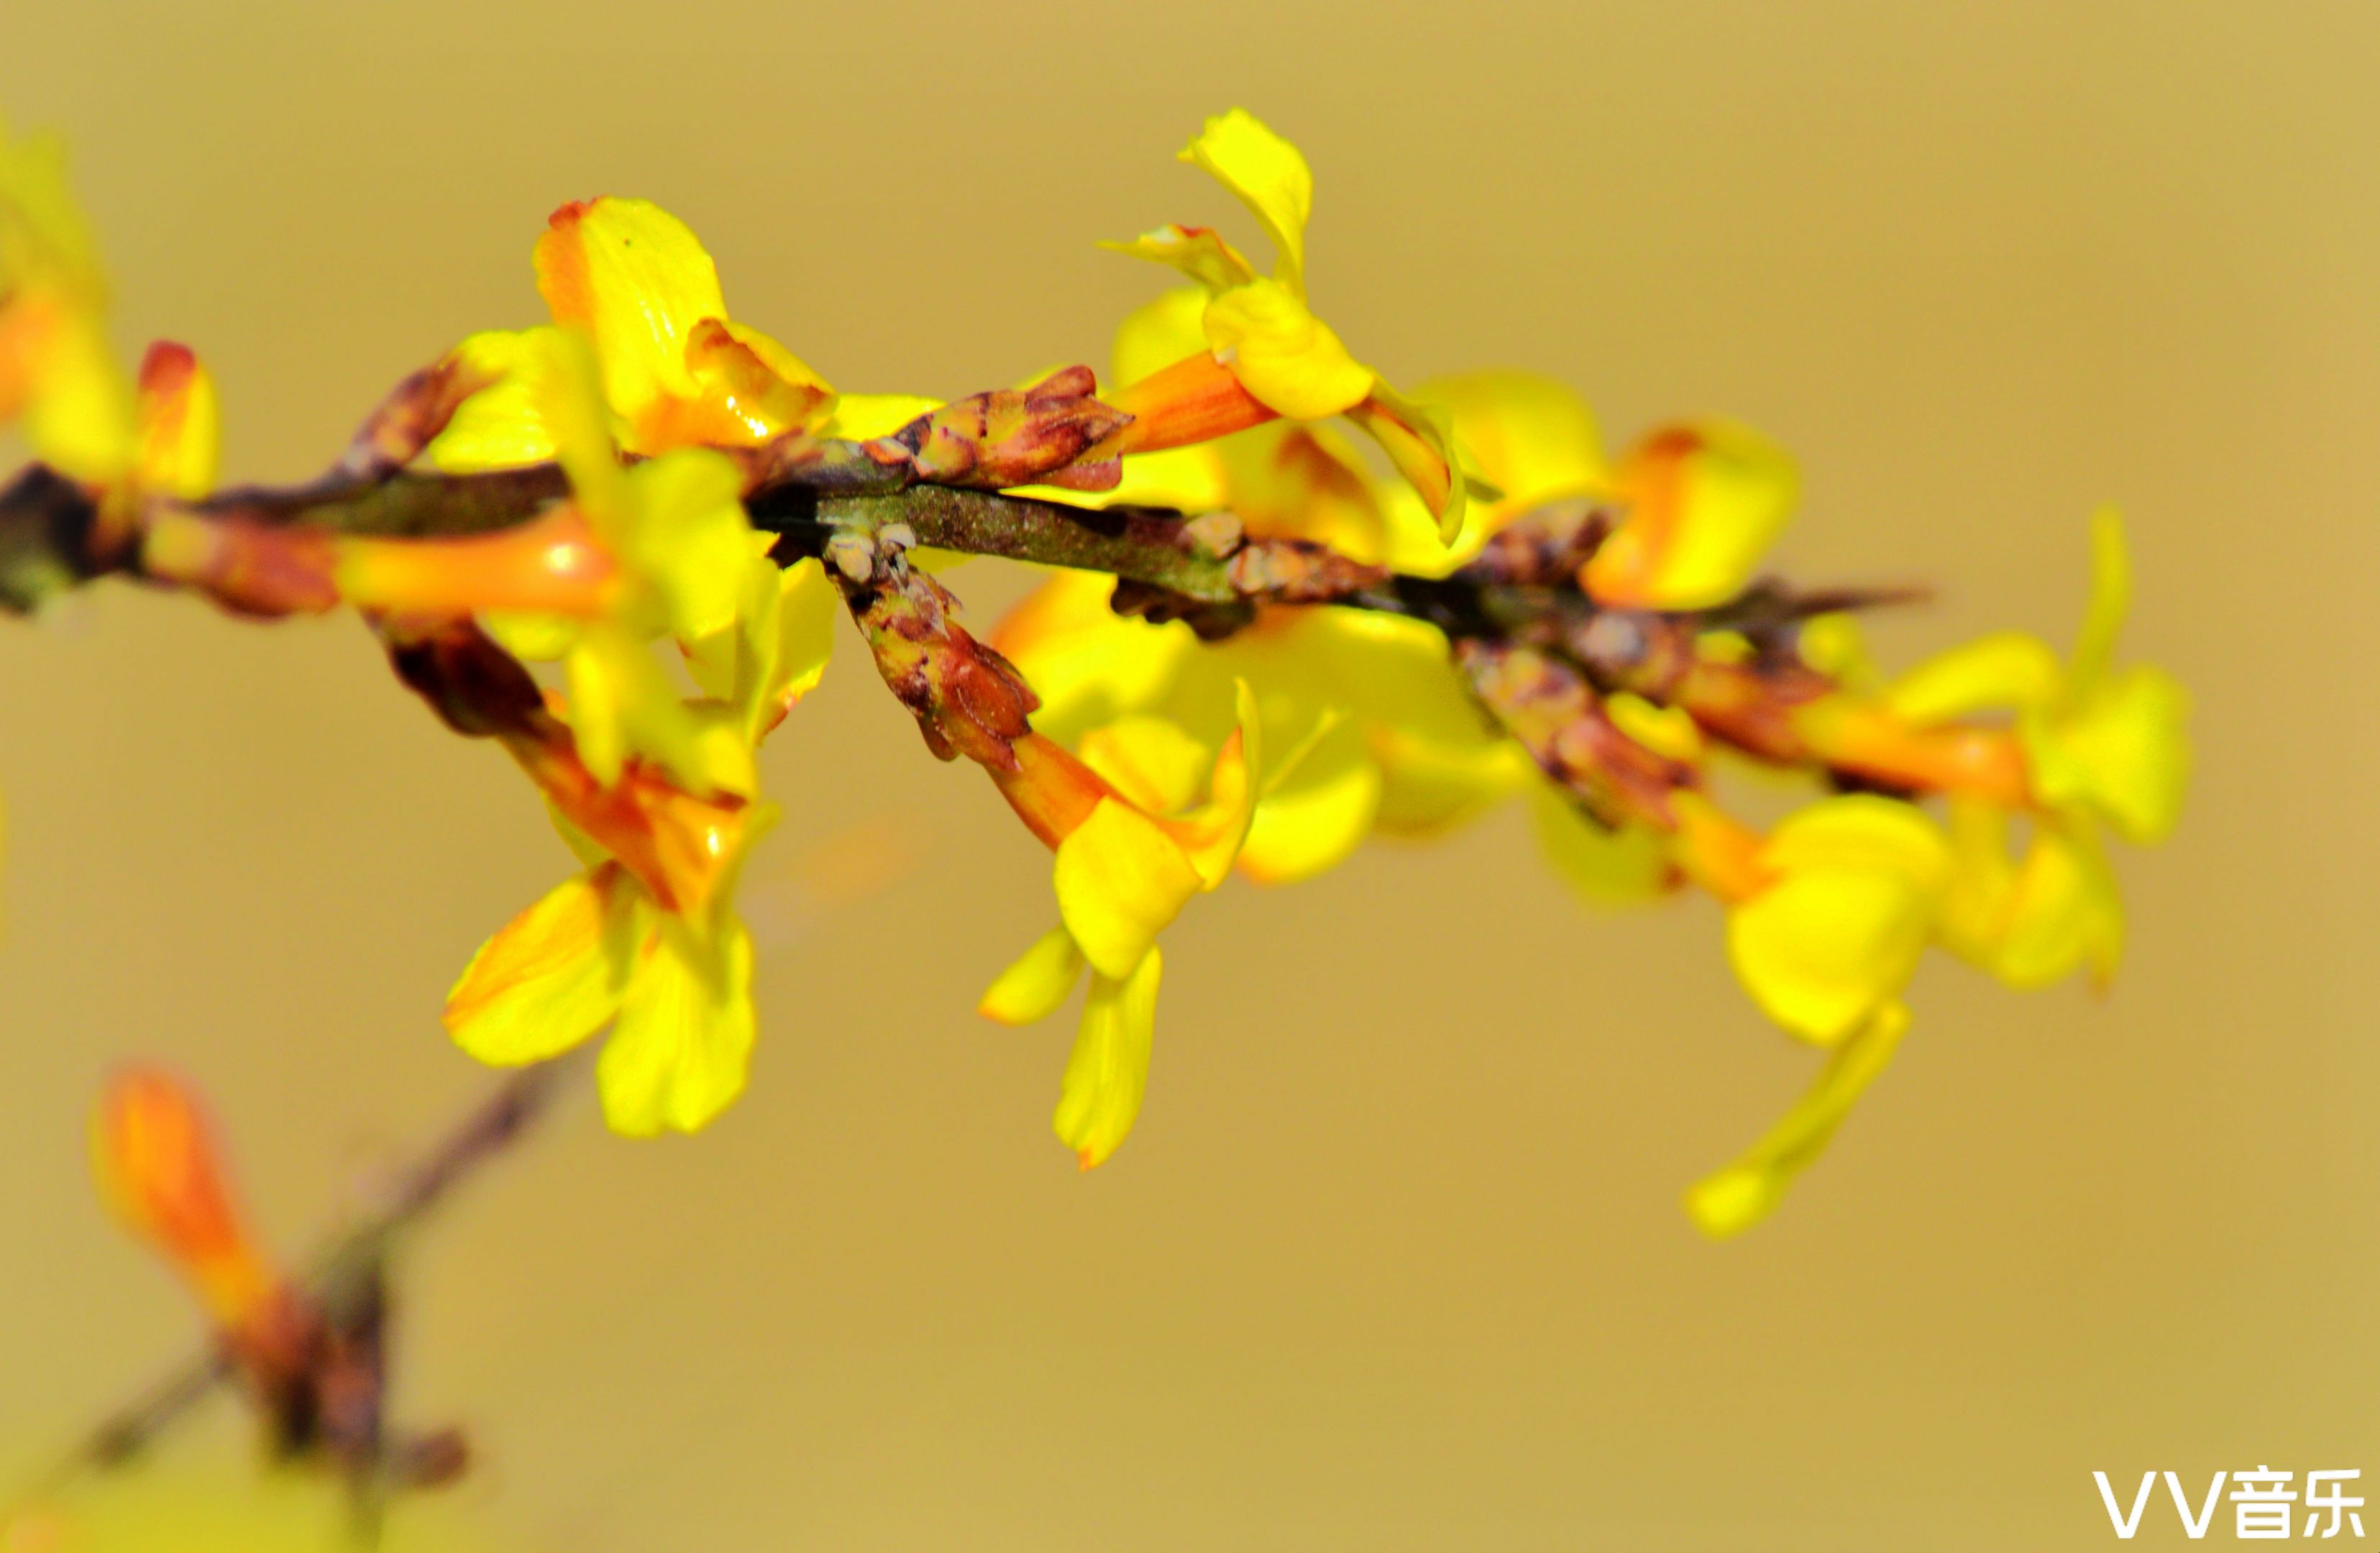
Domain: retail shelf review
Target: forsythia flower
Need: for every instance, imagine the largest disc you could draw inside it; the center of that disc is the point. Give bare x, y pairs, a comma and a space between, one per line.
1699, 505
1131, 853
685, 552
648, 940
674, 982
1703, 503
2100, 744
56, 368
1390, 744
1265, 352
1852, 890
1740, 1195
676, 371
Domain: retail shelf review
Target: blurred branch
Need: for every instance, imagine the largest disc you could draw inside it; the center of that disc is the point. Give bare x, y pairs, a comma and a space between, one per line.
344, 1270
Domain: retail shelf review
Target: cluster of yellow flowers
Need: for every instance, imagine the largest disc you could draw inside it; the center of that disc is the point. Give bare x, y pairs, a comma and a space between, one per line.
1159, 763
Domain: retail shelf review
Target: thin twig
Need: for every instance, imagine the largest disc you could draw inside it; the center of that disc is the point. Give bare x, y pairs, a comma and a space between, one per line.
485, 1134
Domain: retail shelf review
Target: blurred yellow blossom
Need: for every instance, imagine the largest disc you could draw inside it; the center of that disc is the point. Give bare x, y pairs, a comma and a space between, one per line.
56, 370
1853, 886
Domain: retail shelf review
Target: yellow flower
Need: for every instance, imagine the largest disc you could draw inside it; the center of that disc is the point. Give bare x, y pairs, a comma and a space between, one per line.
1740, 1195
1388, 741
2100, 742
673, 978
2034, 920
1702, 505
687, 565
2096, 744
56, 371
1852, 889
1131, 852
676, 371
1265, 352
178, 424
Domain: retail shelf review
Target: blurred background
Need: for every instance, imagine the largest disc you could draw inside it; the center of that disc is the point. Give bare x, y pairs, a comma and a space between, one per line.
1395, 1257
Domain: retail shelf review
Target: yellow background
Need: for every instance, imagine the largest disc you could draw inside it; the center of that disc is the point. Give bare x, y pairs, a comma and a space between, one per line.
1396, 1259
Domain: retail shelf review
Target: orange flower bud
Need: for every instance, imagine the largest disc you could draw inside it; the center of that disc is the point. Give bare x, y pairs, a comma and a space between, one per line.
161, 1169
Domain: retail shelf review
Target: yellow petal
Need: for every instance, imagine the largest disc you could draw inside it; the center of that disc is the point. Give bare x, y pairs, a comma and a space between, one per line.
1532, 435
1197, 251
1108, 1073
1152, 760
1291, 480
863, 416
682, 1046
2111, 599
691, 537
1269, 175
1288, 359
1857, 885
552, 976
181, 426
1120, 877
1419, 440
808, 605
621, 703
1215, 832
80, 417
1088, 664
1835, 646
1156, 334
1669, 731
1439, 759
636, 279
2005, 670
1864, 834
789, 369
1607, 867
1039, 980
1704, 504
2123, 752
2062, 913
1747, 1191
502, 426
1312, 821
1189, 479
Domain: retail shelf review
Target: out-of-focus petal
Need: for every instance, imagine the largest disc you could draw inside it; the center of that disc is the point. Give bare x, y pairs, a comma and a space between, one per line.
2005, 670
1108, 1073
181, 426
1855, 887
1159, 333
2122, 751
1704, 504
1607, 867
1310, 823
1744, 1194
1039, 981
